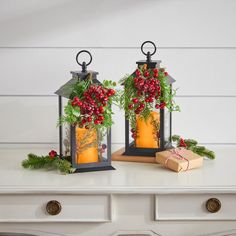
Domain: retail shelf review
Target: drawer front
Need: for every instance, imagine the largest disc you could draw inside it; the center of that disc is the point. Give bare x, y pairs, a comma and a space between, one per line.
195, 207
68, 208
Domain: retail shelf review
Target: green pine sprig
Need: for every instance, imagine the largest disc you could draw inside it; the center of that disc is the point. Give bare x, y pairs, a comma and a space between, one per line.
46, 162
192, 145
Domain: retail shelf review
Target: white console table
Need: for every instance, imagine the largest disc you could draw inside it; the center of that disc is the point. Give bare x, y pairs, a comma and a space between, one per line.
135, 199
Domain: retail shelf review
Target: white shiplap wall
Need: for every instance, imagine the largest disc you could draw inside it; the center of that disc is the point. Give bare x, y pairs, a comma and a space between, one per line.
39, 40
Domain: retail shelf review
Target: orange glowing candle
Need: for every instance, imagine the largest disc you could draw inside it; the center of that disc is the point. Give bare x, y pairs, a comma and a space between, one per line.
147, 131
87, 145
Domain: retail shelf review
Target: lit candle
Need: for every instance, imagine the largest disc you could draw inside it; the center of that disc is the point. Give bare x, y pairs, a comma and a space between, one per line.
147, 131
87, 145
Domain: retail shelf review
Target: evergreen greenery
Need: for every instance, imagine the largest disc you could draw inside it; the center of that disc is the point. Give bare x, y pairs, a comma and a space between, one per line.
39, 162
130, 92
192, 145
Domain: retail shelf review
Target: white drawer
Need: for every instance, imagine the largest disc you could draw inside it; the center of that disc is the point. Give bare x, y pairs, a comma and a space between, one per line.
193, 207
74, 208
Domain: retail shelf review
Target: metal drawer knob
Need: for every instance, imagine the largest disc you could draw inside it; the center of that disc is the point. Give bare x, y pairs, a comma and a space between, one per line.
53, 207
213, 205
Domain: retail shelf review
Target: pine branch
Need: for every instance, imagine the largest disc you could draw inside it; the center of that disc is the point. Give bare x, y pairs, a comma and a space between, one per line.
191, 144
46, 162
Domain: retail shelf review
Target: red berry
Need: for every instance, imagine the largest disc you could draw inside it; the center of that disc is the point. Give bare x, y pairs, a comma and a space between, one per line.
135, 100
131, 106
89, 108
111, 91
132, 130
79, 103
157, 106
134, 135
76, 99
52, 154
166, 73
101, 118
83, 121
162, 105
182, 143
137, 72
155, 75
142, 105
146, 73
101, 109
89, 119
155, 70
97, 122
150, 99
137, 111
105, 98
135, 80
74, 103
146, 87
96, 112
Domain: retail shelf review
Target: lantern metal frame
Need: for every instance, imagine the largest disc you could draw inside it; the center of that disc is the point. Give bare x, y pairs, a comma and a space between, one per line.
130, 149
65, 91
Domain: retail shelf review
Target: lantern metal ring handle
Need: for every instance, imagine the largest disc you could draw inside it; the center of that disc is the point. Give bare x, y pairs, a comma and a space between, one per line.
155, 48
84, 64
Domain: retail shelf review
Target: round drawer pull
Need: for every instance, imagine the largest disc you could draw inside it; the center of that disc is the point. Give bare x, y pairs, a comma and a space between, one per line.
53, 207
213, 205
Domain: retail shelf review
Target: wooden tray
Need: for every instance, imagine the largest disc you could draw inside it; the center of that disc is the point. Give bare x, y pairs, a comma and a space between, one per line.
117, 156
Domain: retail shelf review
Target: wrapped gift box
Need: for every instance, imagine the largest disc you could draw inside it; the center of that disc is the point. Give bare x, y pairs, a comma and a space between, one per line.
179, 159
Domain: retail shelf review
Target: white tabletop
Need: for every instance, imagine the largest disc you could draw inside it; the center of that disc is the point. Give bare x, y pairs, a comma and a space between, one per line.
217, 175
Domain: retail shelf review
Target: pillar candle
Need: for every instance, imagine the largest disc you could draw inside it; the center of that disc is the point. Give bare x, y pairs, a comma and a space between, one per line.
147, 132
86, 144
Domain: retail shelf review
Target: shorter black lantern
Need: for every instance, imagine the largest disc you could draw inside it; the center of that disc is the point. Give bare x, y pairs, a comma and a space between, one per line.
89, 149
152, 134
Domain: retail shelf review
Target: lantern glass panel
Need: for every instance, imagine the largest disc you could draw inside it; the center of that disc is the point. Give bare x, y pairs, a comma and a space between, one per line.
147, 131
167, 128
90, 146
66, 145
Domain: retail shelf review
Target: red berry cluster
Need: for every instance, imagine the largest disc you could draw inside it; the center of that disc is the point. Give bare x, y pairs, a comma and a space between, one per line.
92, 104
148, 90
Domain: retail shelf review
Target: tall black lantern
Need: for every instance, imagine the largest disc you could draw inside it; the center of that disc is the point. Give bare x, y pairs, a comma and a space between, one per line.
69, 135
141, 145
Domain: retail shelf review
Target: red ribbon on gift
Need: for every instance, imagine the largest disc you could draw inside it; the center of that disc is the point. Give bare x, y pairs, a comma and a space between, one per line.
177, 153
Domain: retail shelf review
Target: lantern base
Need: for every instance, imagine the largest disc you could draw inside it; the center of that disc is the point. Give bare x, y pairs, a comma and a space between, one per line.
119, 156
131, 150
90, 169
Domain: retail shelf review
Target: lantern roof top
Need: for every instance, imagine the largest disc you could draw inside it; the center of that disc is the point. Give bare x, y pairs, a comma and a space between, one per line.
67, 89
150, 63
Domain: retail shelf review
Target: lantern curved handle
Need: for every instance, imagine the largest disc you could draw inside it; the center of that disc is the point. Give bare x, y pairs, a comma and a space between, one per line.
84, 64
146, 42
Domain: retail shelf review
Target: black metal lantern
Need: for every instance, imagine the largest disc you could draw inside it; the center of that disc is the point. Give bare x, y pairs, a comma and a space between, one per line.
144, 144
96, 155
